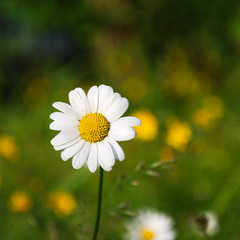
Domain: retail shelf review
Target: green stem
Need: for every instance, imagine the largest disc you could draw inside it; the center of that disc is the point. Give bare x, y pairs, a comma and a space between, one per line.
99, 205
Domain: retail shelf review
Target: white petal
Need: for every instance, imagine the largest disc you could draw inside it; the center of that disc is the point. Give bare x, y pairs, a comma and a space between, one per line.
77, 103
93, 158
93, 98
122, 133
71, 151
129, 121
116, 148
83, 96
59, 126
80, 158
103, 166
67, 109
105, 93
117, 109
58, 116
64, 137
68, 144
113, 98
105, 155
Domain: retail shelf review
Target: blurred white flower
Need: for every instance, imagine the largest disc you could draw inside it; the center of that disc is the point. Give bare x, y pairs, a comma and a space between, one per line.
207, 223
91, 126
150, 225
212, 223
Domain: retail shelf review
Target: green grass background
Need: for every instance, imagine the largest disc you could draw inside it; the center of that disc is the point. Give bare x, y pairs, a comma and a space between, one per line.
49, 48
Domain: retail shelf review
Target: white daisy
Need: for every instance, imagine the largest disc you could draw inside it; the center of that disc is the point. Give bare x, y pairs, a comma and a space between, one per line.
207, 223
91, 126
150, 225
212, 223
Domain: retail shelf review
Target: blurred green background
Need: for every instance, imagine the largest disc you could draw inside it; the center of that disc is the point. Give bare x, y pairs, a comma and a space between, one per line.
178, 64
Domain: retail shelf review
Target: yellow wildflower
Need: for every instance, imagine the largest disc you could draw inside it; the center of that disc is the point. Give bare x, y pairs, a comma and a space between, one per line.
211, 111
202, 118
214, 105
181, 78
149, 128
63, 203
8, 148
20, 202
178, 135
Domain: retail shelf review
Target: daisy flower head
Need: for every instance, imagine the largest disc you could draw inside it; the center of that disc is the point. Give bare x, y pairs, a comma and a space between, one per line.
150, 225
90, 127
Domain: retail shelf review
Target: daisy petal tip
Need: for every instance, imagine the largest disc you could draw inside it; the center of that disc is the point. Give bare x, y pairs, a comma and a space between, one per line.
75, 166
52, 142
51, 126
122, 159
134, 133
55, 104
103, 85
131, 135
138, 122
126, 102
64, 158
92, 170
133, 121
91, 90
51, 116
107, 169
55, 148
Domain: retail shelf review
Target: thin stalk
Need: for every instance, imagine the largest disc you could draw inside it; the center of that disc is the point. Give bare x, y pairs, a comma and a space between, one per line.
97, 222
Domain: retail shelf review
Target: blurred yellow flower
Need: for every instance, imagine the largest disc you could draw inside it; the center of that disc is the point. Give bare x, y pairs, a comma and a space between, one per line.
202, 117
178, 135
62, 202
211, 111
8, 148
181, 79
20, 202
214, 105
149, 128
166, 154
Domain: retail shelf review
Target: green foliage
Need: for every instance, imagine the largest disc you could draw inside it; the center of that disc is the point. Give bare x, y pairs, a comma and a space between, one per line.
177, 60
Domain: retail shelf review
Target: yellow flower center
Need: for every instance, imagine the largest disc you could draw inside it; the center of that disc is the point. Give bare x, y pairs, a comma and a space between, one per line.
93, 127
147, 234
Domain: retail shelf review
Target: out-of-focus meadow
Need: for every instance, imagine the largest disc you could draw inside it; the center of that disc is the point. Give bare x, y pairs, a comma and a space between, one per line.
178, 63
